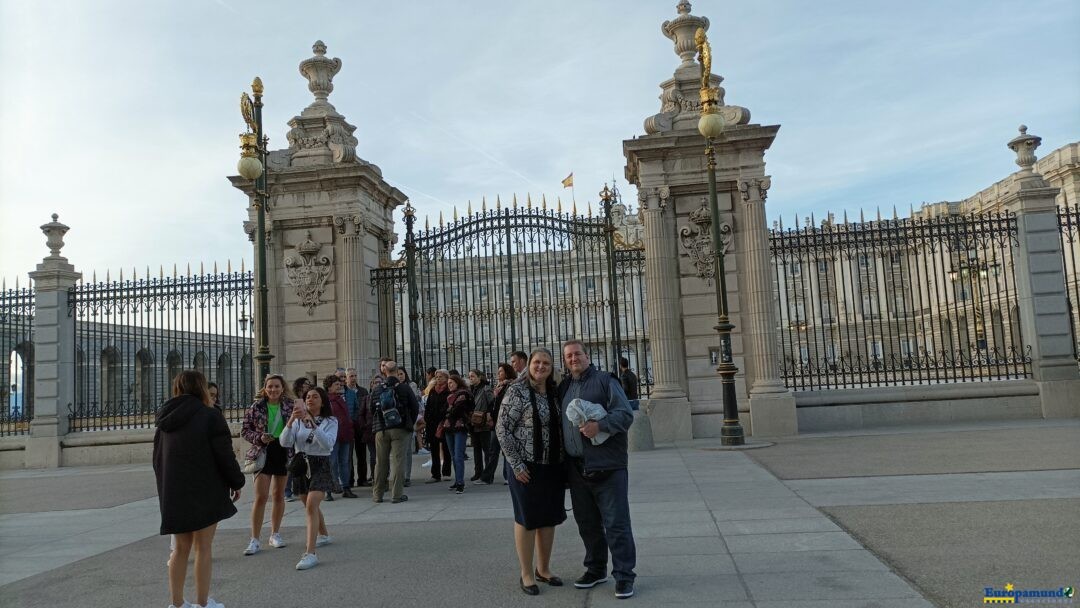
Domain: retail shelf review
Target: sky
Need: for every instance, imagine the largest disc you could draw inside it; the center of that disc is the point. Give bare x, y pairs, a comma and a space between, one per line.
122, 116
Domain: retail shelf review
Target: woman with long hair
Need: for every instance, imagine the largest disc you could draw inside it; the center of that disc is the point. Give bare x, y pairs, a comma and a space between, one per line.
504, 375
263, 424
311, 432
434, 414
530, 431
480, 421
459, 403
198, 480
403, 378
342, 454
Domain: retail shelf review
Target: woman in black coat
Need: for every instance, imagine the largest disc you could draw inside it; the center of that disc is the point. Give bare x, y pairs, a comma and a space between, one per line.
198, 479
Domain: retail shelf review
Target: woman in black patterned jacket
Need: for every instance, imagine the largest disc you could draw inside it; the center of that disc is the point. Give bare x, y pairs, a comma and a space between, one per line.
530, 433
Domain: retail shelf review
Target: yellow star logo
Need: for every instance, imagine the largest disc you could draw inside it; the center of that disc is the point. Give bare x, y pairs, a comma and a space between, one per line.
1009, 587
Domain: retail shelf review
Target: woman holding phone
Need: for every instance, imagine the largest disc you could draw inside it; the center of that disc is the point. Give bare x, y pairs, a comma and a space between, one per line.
311, 432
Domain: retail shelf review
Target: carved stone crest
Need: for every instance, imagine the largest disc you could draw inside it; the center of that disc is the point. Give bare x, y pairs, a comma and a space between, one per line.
697, 240
308, 273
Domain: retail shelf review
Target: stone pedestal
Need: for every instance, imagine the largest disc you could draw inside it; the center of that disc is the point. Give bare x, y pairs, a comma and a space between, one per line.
640, 436
54, 352
329, 223
1040, 284
670, 419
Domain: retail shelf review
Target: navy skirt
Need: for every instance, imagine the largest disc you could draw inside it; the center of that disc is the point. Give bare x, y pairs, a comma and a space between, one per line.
539, 503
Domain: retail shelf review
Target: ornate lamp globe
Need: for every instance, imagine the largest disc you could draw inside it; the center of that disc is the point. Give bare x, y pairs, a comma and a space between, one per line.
249, 167
711, 126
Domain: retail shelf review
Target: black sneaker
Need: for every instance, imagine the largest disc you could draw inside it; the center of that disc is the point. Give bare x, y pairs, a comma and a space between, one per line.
590, 580
460, 489
624, 589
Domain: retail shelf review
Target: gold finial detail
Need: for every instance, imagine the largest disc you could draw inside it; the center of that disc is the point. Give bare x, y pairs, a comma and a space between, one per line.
215, 267
528, 200
558, 199
241, 264
573, 211
427, 223
515, 200
455, 213
247, 110
174, 272
121, 275
498, 203
257, 86
440, 219
543, 202
590, 209
483, 204
95, 277
201, 271
189, 269
704, 56
147, 272
469, 210
228, 266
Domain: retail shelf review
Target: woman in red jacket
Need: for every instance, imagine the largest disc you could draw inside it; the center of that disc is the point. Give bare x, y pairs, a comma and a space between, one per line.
459, 404
198, 480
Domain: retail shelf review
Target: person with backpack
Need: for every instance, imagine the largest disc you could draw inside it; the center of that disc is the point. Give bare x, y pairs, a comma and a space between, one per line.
481, 421
459, 404
396, 408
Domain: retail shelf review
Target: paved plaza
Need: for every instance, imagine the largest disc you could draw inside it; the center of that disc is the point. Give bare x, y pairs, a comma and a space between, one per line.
907, 517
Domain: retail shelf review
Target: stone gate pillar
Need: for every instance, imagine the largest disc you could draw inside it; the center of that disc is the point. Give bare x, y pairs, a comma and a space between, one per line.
1040, 283
54, 352
669, 159
328, 215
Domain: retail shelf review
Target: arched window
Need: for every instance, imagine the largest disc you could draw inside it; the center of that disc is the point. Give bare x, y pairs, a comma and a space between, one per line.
175, 364
224, 378
144, 379
200, 362
82, 377
247, 379
111, 391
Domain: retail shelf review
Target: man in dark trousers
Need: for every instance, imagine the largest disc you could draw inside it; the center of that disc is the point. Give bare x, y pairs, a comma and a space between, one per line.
629, 381
599, 483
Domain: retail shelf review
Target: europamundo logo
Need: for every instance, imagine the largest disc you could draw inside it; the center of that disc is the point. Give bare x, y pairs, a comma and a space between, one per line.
1011, 595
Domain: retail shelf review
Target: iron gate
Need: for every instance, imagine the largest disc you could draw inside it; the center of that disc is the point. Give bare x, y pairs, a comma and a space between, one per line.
469, 292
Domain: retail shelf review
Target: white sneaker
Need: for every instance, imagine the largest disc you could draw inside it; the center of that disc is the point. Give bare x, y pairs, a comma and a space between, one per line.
210, 603
322, 541
423, 452
275, 541
186, 605
307, 561
253, 547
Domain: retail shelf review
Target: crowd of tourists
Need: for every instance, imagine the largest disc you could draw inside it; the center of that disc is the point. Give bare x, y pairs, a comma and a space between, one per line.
310, 442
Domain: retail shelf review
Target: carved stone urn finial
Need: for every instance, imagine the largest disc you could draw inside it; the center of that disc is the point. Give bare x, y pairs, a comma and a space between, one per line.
681, 31
1024, 145
54, 233
320, 71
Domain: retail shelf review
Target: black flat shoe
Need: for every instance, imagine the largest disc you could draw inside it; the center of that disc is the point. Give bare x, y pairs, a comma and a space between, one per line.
529, 589
554, 581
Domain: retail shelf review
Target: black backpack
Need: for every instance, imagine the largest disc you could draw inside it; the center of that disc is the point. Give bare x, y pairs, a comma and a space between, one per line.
388, 406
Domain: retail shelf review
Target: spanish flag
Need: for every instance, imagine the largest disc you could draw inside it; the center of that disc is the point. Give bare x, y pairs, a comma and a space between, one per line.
569, 181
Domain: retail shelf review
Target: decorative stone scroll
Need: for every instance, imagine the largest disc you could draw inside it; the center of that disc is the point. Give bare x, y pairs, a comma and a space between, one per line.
309, 273
698, 242
349, 225
755, 189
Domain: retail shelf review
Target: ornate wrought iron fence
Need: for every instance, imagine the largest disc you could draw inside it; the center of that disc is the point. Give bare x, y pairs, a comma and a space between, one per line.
17, 370
1069, 226
470, 292
133, 336
899, 302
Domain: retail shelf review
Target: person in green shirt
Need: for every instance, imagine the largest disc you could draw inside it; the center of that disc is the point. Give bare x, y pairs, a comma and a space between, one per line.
263, 424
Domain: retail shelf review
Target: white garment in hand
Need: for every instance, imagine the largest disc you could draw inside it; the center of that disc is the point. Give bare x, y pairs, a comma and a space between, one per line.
579, 411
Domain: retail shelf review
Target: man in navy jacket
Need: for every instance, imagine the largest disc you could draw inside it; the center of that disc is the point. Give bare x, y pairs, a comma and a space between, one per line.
598, 478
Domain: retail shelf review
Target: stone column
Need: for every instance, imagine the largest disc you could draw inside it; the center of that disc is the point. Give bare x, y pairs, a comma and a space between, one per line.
668, 406
1040, 284
772, 406
54, 352
662, 292
354, 304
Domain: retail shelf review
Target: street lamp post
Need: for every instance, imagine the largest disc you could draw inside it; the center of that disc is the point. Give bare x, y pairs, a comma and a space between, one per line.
252, 165
711, 126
